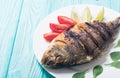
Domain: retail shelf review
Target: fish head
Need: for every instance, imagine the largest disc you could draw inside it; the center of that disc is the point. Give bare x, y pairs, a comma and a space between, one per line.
52, 57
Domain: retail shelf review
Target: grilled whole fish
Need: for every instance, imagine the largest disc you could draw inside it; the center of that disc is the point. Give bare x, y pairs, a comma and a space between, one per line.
79, 44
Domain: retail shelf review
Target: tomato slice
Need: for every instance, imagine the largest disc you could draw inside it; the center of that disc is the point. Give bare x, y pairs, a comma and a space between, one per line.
50, 36
58, 27
66, 20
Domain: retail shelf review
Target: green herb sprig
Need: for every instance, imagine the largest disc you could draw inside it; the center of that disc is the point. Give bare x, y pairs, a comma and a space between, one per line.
97, 70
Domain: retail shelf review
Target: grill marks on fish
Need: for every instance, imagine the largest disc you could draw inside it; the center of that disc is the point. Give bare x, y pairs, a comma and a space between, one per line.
95, 35
90, 43
73, 48
87, 41
92, 38
97, 29
84, 38
76, 36
107, 29
103, 30
73, 38
74, 42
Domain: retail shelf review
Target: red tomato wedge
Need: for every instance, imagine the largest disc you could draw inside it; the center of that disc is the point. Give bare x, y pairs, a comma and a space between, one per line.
58, 27
66, 20
50, 36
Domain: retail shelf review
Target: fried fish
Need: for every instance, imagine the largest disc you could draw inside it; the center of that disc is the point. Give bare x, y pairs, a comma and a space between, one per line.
79, 44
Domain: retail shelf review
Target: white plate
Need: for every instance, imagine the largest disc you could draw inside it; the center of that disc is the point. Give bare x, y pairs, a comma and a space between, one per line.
39, 44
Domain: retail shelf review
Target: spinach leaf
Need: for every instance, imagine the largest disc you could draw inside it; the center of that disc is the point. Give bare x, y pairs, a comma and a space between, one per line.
115, 55
97, 70
118, 44
79, 75
115, 64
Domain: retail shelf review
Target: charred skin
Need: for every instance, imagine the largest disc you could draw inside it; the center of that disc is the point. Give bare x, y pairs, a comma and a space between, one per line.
79, 44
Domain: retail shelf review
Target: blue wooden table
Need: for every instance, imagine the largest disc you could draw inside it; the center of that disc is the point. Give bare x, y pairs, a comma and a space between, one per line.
18, 21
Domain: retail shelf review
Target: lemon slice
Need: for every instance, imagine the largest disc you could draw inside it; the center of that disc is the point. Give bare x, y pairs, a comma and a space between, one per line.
86, 15
99, 17
74, 15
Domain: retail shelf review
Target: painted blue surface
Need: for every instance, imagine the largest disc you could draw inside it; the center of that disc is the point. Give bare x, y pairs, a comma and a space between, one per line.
18, 21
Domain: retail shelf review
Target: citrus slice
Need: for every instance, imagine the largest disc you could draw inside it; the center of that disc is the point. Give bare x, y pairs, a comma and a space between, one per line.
86, 15
74, 15
99, 17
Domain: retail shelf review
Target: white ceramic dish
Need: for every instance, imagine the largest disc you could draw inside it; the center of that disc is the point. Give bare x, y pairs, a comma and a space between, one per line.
39, 44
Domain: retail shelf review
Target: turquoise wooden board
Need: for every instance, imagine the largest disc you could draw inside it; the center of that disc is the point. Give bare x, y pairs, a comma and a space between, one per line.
18, 21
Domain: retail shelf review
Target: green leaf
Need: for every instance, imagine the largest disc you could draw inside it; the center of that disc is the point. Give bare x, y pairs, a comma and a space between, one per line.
86, 15
97, 70
118, 44
115, 55
115, 64
79, 75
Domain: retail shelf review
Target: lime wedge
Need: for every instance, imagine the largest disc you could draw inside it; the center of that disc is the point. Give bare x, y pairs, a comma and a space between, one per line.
99, 17
86, 15
74, 15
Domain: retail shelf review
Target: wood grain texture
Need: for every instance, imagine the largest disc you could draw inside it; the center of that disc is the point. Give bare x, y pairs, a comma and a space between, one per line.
8, 31
18, 21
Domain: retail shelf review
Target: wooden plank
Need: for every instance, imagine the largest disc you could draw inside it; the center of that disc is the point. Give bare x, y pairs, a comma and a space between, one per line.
23, 64
9, 17
115, 5
105, 3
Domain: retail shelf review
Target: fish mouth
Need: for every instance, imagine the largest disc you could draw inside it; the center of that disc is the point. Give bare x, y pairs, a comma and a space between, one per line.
52, 61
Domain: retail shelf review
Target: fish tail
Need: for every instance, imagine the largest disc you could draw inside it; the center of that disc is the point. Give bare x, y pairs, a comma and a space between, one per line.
116, 23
